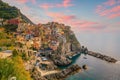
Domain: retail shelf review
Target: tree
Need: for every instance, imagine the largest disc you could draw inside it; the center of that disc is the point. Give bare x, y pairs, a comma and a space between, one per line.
24, 56
6, 69
19, 69
13, 68
14, 53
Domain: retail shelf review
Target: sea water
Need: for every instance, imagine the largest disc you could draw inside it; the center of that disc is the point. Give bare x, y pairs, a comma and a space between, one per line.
108, 44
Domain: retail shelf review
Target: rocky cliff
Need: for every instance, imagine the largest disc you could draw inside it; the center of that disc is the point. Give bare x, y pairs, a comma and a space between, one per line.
68, 44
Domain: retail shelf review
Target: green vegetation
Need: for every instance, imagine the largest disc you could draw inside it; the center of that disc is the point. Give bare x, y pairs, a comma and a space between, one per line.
22, 55
7, 12
73, 39
10, 27
6, 69
0, 49
70, 37
3, 35
14, 53
5, 43
6, 40
13, 68
25, 19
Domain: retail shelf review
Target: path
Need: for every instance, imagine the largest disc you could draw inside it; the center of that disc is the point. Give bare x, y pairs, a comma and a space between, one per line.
44, 73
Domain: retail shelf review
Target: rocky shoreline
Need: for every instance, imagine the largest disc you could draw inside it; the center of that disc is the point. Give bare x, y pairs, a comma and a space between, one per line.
56, 76
102, 57
64, 73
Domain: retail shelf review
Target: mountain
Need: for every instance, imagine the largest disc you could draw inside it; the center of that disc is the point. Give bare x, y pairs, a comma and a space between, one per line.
8, 12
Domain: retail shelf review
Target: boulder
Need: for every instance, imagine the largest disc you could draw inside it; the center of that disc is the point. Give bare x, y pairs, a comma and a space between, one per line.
84, 67
62, 61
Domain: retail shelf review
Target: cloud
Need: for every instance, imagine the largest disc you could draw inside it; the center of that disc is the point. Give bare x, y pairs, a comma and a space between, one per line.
114, 15
33, 1
22, 1
113, 10
65, 3
118, 23
46, 6
84, 25
60, 17
110, 3
74, 22
109, 9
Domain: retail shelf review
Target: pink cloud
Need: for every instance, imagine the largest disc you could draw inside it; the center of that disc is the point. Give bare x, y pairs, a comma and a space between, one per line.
60, 16
111, 12
25, 1
65, 3
46, 6
33, 1
22, 1
74, 22
26, 8
114, 15
110, 3
118, 23
99, 8
85, 23
118, 1
88, 25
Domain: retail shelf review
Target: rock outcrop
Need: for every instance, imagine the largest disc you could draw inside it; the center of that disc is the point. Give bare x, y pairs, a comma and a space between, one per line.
84, 67
102, 57
64, 73
62, 61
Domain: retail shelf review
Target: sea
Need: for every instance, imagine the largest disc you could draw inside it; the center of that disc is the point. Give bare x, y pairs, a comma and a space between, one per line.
104, 43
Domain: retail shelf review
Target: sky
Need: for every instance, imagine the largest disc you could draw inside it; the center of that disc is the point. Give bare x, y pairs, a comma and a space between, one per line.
99, 16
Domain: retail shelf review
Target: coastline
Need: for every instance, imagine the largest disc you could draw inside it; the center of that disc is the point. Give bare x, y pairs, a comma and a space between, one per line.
64, 73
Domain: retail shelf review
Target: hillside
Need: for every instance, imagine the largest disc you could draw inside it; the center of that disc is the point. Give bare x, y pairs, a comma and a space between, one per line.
10, 17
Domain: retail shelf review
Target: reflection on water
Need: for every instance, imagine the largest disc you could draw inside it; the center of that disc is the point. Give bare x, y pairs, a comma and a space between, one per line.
108, 44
